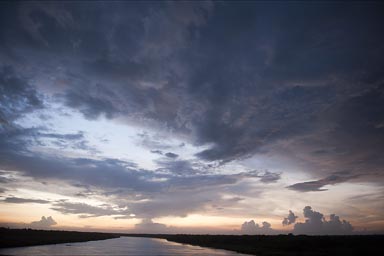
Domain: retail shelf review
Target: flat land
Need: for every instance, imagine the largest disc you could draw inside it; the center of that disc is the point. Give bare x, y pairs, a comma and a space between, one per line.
260, 245
286, 245
29, 237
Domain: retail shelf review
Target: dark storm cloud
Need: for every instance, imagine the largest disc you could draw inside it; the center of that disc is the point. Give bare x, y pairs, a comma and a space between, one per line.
18, 200
17, 96
241, 77
91, 106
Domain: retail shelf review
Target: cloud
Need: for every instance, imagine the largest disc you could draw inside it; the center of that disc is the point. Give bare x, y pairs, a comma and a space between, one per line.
165, 67
171, 155
4, 179
181, 167
318, 184
91, 106
43, 223
86, 210
154, 142
70, 136
18, 200
17, 96
252, 228
148, 226
269, 177
316, 224
290, 219
159, 152
107, 173
166, 191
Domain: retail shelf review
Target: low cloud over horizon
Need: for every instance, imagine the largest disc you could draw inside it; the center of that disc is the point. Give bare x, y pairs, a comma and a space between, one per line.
192, 114
315, 224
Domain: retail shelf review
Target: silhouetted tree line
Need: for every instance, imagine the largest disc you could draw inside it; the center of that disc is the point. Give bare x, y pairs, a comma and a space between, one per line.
27, 237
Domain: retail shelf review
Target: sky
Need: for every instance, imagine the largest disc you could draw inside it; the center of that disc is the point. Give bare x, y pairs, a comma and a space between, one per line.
192, 117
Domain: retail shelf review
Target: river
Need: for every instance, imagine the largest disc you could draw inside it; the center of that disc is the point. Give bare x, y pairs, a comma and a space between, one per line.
123, 246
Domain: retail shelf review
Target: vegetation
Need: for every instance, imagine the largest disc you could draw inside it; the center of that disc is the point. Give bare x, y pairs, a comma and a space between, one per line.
285, 245
29, 237
261, 245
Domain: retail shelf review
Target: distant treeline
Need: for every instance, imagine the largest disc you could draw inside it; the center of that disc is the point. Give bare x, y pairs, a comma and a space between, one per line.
285, 245
29, 237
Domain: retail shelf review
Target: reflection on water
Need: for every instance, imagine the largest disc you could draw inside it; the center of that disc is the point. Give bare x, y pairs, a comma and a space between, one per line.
123, 246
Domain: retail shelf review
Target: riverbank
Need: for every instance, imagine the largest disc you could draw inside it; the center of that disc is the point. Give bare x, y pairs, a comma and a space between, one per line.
260, 245
285, 245
29, 237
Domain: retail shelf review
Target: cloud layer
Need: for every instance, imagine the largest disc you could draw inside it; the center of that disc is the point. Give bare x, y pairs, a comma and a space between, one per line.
298, 87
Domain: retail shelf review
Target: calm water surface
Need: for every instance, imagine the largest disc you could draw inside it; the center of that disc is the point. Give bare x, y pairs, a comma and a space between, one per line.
123, 246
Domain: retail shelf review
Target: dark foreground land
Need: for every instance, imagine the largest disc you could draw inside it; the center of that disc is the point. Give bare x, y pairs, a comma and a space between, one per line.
29, 237
286, 245
280, 245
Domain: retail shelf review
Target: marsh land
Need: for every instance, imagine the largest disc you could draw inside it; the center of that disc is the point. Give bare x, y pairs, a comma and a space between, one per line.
285, 245
261, 245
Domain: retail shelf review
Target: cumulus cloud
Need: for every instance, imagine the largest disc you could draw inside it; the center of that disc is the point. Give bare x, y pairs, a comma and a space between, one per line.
317, 224
43, 223
290, 219
252, 228
148, 226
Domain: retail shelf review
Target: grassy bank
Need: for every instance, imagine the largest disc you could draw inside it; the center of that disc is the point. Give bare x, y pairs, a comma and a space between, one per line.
285, 245
29, 237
